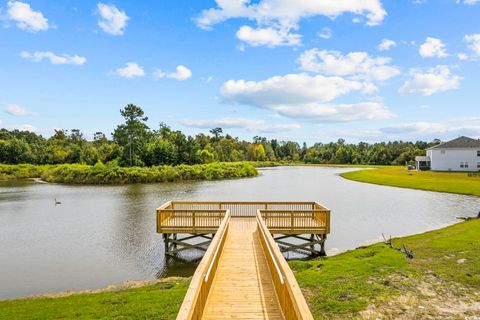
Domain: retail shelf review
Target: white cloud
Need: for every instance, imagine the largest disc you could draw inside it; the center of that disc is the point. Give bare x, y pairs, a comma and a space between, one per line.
270, 36
473, 41
112, 20
25, 127
416, 128
18, 111
470, 2
38, 56
275, 18
181, 73
326, 33
131, 70
462, 56
288, 89
207, 79
386, 45
253, 125
288, 12
303, 96
433, 47
358, 65
26, 18
434, 80
336, 112
459, 126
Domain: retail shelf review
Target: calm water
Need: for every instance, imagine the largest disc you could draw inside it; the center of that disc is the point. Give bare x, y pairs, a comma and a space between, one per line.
102, 235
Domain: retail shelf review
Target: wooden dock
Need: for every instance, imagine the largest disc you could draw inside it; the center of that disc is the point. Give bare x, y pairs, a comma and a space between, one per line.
243, 273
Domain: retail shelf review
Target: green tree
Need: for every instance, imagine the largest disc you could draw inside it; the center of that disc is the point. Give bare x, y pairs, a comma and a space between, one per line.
133, 135
217, 132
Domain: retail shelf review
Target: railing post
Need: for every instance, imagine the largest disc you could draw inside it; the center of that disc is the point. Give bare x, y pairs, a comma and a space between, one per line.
291, 221
193, 220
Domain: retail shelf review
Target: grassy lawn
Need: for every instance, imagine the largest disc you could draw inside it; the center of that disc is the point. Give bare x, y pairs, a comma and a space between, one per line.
378, 282
454, 182
159, 301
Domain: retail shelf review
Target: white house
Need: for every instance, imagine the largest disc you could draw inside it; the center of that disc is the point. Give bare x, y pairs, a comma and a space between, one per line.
460, 154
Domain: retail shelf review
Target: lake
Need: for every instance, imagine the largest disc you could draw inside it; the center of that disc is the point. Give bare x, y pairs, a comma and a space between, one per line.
101, 235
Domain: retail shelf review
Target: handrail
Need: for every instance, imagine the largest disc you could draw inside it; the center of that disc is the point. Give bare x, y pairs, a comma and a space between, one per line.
222, 240
290, 296
199, 288
270, 252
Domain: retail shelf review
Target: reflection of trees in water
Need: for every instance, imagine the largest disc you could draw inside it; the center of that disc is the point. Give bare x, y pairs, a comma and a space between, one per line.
178, 266
135, 240
16, 193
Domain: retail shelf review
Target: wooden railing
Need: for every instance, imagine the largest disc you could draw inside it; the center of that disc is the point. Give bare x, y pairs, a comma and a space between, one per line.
289, 295
244, 209
189, 220
297, 220
205, 217
197, 293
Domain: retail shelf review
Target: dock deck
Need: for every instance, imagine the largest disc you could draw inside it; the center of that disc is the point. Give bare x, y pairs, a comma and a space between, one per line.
242, 287
243, 273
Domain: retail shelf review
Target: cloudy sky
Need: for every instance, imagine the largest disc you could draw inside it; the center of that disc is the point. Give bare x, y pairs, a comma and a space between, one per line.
305, 70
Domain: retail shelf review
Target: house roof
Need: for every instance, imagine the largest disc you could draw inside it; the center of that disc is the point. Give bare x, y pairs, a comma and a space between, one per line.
422, 158
460, 142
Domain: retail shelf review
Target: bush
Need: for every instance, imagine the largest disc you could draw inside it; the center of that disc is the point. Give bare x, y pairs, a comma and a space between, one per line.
108, 174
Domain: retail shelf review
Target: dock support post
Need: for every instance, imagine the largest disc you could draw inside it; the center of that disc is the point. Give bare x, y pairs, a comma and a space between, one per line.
322, 246
174, 244
166, 241
304, 244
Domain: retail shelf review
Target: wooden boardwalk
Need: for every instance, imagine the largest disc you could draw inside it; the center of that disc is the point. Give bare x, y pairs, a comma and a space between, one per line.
242, 287
243, 274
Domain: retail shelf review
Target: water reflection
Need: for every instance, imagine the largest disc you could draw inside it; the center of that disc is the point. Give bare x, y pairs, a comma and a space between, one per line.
101, 235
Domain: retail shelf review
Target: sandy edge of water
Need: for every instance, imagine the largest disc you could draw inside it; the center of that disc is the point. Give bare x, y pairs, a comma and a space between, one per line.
128, 284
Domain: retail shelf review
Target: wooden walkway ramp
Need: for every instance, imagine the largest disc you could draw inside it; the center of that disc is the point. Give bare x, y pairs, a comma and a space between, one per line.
242, 287
243, 274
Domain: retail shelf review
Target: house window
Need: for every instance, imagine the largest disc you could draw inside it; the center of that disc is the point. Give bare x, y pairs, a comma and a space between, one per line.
478, 153
442, 151
464, 164
478, 165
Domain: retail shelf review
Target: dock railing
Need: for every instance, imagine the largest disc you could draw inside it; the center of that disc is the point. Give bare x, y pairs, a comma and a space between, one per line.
172, 220
206, 216
197, 294
297, 220
288, 292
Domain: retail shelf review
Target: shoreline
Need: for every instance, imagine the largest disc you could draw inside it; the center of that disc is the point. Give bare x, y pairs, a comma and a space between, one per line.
124, 285
444, 182
371, 281
81, 174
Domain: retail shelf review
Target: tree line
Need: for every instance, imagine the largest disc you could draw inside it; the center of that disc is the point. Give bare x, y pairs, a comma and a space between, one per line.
133, 143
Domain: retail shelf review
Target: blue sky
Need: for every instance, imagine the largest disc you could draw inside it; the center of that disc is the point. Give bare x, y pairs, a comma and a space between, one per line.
304, 70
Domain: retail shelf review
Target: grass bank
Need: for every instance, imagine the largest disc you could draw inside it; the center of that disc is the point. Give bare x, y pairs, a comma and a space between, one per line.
378, 282
159, 301
453, 182
101, 174
374, 282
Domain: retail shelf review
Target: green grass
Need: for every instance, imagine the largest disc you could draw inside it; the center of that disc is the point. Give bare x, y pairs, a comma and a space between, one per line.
102, 174
453, 182
160, 301
337, 287
342, 286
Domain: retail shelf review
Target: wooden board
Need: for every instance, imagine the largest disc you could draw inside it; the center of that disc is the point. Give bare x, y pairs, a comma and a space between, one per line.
242, 287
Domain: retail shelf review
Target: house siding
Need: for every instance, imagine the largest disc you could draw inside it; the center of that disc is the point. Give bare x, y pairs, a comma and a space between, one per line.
451, 158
